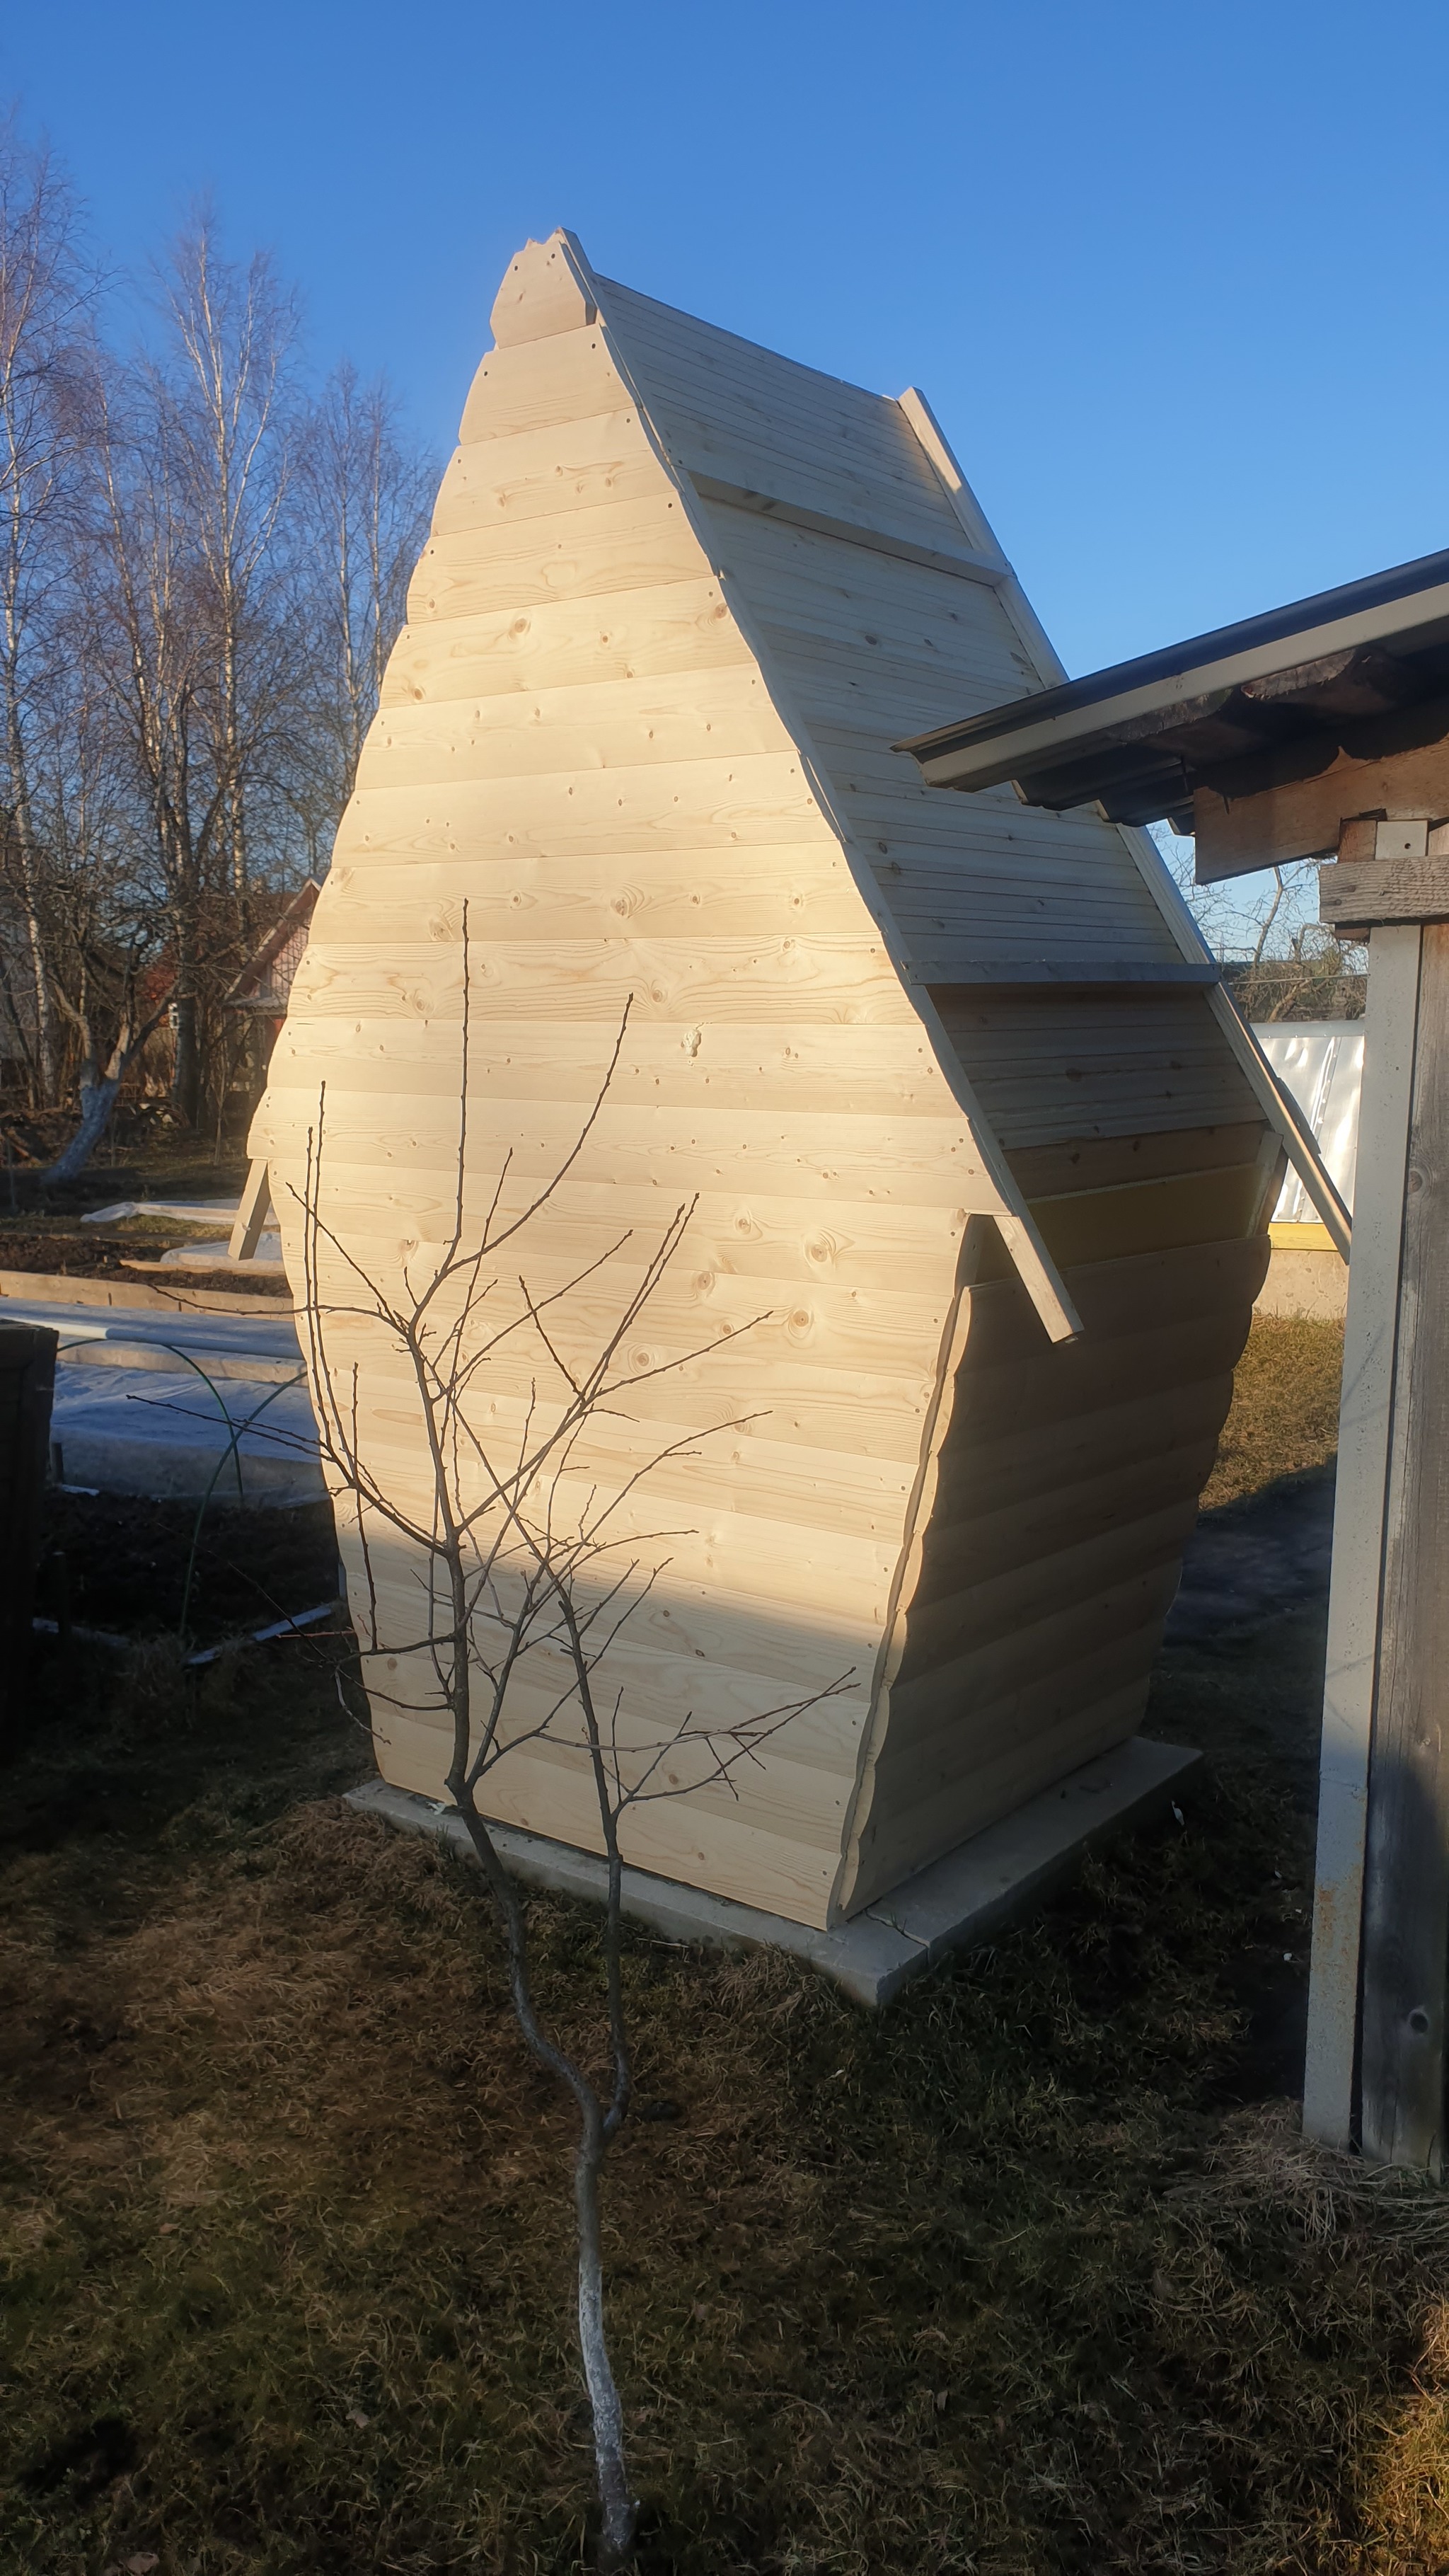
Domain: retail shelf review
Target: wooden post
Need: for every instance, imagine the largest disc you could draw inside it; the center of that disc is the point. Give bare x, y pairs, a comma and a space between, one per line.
27, 1381
1380, 1977
1358, 1534
1406, 1884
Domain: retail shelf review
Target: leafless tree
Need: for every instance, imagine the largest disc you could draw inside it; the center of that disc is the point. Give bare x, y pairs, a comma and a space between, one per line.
149, 641
221, 382
202, 571
530, 1568
46, 296
365, 495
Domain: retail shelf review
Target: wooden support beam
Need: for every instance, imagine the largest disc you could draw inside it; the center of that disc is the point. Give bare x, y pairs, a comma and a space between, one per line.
1304, 818
1406, 1882
1358, 1535
251, 1216
1353, 896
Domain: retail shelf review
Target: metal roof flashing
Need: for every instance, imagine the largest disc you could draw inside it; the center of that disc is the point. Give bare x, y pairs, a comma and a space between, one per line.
1362, 670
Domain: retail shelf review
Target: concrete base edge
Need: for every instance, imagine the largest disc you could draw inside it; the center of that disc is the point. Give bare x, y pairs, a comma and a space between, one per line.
955, 1904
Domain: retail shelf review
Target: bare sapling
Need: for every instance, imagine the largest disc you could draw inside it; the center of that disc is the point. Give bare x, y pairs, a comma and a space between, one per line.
525, 1562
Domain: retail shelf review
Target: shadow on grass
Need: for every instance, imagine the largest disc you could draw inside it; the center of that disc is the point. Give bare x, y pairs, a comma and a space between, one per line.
1024, 2275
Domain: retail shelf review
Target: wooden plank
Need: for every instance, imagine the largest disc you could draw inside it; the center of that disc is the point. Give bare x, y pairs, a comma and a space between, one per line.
1358, 1535
955, 1731
870, 1067
928, 1162
941, 1630
731, 1856
693, 1624
719, 803
811, 1763
910, 1838
974, 1538
1044, 1171
677, 895
1017, 1468
728, 457
578, 554
678, 627
677, 981
251, 1214
698, 374
1359, 896
932, 1710
1019, 1404
568, 465
542, 293
612, 725
1299, 1142
956, 958
1304, 819
865, 532
791, 571
1046, 1069
1406, 1880
861, 1243
568, 376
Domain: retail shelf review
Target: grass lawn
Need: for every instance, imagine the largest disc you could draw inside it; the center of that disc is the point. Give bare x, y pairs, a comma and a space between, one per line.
1026, 2274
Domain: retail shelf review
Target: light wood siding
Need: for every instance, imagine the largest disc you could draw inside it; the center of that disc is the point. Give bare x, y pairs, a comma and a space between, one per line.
576, 742
866, 647
1068, 1483
1084, 1062
643, 734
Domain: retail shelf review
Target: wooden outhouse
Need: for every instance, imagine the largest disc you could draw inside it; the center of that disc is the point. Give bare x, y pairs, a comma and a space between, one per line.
976, 1146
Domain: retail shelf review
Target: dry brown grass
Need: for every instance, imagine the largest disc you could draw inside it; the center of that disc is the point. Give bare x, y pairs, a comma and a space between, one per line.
1284, 1416
1006, 2279
1028, 2276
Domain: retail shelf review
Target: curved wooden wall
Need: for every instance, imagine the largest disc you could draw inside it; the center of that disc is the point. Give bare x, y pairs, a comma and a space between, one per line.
640, 721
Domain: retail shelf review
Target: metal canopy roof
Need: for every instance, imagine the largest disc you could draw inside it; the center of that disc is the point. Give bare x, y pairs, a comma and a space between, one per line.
1363, 669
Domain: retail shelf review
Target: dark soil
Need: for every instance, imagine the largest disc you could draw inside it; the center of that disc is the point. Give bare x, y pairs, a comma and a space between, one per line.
121, 1565
42, 1230
93, 1255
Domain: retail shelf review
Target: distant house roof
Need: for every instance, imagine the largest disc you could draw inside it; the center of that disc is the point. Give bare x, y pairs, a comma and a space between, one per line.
1362, 669
265, 982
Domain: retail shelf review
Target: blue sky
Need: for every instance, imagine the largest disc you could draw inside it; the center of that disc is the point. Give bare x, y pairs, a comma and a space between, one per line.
1173, 277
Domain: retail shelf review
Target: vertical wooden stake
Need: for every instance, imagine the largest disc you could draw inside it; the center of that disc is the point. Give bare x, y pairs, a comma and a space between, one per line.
246, 1232
1358, 1532
1406, 1883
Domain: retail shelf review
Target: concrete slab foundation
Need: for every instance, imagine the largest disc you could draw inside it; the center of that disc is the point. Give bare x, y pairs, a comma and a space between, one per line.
954, 1905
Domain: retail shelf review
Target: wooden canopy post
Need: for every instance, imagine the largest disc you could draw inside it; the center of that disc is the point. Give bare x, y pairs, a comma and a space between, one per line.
1380, 1974
1320, 730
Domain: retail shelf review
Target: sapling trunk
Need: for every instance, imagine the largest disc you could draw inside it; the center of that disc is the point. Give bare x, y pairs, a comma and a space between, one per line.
618, 2509
526, 1549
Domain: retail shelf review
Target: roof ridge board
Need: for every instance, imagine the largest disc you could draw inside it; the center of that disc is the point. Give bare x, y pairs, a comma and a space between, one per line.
674, 313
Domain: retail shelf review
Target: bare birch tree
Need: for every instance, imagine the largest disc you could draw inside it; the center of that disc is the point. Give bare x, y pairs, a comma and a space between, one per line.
149, 641
214, 564
46, 294
365, 495
528, 1560
221, 383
